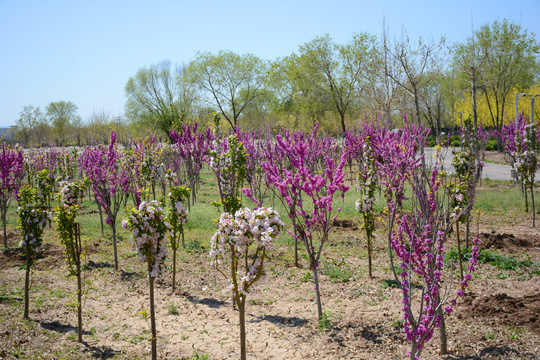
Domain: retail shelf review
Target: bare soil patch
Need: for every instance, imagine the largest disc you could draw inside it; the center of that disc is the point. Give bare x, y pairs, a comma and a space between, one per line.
498, 319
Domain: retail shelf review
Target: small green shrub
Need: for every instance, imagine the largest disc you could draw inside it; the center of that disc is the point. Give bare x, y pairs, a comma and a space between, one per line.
173, 308
338, 274
324, 322
194, 246
307, 277
492, 145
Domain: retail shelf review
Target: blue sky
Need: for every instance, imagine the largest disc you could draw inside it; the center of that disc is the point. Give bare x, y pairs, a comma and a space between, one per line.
85, 51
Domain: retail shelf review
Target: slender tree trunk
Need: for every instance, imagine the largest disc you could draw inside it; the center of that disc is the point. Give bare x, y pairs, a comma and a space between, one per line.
153, 318
317, 292
444, 339
79, 279
295, 248
183, 241
467, 229
100, 218
526, 198
5, 230
113, 227
79, 301
459, 251
475, 116
532, 204
369, 256
242, 316
413, 350
27, 283
174, 269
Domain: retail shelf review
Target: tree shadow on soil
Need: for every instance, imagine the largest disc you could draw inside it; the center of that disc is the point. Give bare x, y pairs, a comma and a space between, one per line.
280, 320
492, 352
100, 352
99, 265
59, 327
126, 276
10, 300
212, 303
368, 334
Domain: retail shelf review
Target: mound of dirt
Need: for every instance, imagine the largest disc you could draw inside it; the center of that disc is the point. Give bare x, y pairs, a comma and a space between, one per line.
508, 242
11, 257
521, 311
12, 239
346, 224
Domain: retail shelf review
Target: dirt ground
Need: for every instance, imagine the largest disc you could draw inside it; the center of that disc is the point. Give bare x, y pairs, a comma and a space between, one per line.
497, 319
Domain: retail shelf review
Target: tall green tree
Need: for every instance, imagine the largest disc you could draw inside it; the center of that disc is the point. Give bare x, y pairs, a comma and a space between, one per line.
299, 100
64, 118
229, 81
494, 60
158, 96
340, 71
30, 121
418, 65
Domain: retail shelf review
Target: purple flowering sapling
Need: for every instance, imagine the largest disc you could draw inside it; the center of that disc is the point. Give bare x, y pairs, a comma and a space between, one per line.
241, 243
69, 201
312, 219
192, 148
33, 217
110, 175
149, 230
177, 216
397, 158
521, 142
418, 242
255, 146
11, 175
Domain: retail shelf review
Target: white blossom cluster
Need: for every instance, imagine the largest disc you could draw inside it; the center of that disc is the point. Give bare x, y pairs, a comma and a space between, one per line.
33, 224
170, 176
70, 193
234, 236
149, 230
365, 204
182, 212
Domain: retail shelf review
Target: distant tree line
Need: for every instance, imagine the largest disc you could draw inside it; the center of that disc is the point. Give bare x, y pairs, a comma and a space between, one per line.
336, 85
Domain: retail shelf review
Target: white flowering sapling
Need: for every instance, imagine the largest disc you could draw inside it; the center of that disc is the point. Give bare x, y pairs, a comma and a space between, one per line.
367, 185
468, 163
240, 245
149, 230
33, 218
69, 201
177, 216
228, 161
459, 205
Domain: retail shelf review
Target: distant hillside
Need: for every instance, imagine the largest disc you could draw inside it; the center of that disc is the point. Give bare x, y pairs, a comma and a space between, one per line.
6, 131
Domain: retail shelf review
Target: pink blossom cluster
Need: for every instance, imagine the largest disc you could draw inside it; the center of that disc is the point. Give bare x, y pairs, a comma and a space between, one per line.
149, 230
234, 237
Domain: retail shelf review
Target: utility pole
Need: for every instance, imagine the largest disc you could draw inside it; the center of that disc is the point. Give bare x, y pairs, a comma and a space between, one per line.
521, 96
